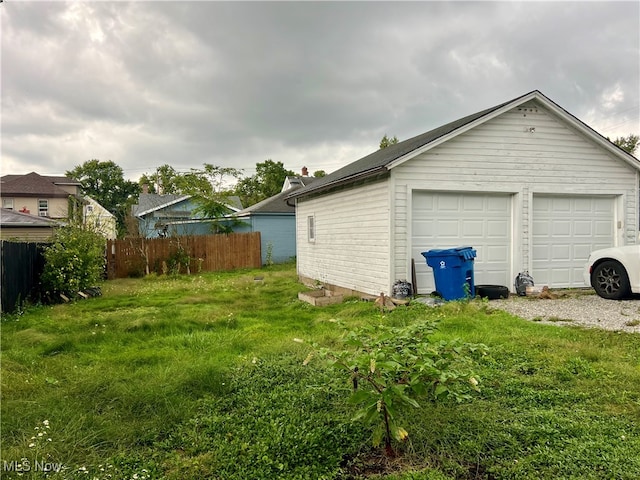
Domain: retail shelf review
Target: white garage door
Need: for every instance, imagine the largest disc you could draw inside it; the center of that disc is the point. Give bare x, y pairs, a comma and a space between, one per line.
565, 230
448, 220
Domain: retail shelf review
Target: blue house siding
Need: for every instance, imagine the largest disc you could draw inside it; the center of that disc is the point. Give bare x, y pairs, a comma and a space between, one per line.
150, 225
278, 233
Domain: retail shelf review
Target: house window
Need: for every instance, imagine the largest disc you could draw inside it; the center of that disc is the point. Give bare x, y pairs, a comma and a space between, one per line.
311, 228
89, 208
43, 208
7, 203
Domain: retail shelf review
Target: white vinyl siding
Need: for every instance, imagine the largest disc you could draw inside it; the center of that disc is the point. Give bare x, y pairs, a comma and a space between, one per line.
351, 247
565, 231
367, 236
503, 156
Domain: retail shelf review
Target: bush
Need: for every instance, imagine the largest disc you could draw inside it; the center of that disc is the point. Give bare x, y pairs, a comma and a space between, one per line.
73, 262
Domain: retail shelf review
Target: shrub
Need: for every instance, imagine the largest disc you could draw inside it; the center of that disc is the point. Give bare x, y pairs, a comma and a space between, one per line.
73, 262
395, 367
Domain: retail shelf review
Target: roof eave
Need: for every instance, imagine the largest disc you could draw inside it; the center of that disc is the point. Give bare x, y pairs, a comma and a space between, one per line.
303, 192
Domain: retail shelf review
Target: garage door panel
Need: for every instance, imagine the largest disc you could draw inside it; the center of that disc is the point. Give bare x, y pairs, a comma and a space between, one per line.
583, 228
581, 251
560, 229
560, 251
451, 204
496, 255
473, 229
448, 228
498, 228
602, 229
471, 205
565, 230
482, 221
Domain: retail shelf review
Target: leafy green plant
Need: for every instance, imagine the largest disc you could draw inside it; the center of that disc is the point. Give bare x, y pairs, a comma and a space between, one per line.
74, 261
269, 259
394, 367
179, 258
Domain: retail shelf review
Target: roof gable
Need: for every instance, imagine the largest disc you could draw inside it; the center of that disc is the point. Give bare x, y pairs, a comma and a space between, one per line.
151, 202
385, 159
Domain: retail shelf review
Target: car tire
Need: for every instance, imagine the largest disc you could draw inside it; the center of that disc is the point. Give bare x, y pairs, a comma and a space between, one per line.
492, 292
610, 280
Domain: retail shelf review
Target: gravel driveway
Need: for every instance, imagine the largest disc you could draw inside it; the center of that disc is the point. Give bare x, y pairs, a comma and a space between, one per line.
583, 308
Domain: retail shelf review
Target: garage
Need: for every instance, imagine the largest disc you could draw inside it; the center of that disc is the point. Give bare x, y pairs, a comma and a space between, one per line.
455, 219
565, 230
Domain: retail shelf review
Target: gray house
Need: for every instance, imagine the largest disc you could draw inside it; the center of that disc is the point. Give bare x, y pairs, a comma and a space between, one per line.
525, 183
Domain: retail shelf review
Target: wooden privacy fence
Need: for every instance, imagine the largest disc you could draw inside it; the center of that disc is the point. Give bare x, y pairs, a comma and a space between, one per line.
135, 256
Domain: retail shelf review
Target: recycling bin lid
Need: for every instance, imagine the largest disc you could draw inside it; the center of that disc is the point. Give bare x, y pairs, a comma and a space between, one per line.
465, 252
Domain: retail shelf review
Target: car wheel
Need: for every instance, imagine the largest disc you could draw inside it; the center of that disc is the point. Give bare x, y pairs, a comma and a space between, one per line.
610, 280
492, 292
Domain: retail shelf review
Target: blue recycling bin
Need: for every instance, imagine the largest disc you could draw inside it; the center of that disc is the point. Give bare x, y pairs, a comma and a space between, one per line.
453, 271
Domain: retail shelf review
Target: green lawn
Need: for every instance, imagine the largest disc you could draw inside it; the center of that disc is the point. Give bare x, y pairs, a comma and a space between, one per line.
198, 376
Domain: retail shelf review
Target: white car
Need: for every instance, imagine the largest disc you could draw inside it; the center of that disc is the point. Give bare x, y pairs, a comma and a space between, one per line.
614, 273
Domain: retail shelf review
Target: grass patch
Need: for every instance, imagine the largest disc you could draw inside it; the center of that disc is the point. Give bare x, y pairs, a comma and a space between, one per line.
198, 377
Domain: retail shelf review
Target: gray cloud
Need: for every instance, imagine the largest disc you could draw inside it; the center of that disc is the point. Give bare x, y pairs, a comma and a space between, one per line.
316, 84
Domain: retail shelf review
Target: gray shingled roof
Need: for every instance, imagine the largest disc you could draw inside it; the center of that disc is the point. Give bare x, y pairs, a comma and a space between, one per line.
149, 202
11, 218
32, 184
278, 202
275, 204
376, 162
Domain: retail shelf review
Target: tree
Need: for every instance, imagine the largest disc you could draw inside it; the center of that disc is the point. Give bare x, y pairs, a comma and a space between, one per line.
212, 199
265, 183
319, 173
105, 183
204, 181
163, 180
629, 143
386, 141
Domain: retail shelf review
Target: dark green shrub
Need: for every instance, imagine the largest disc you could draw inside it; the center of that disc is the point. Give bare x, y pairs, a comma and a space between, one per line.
74, 261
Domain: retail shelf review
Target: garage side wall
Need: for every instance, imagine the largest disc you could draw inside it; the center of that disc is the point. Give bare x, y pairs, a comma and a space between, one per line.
351, 244
525, 152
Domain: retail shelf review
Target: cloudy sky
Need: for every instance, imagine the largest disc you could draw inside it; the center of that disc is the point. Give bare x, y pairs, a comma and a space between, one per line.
308, 84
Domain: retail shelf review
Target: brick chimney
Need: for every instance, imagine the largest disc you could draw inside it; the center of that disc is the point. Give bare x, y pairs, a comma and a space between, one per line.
145, 188
305, 172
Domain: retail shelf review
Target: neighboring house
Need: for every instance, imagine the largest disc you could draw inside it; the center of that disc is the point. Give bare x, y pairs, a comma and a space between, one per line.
56, 198
275, 219
525, 183
24, 227
172, 215
99, 218
43, 196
